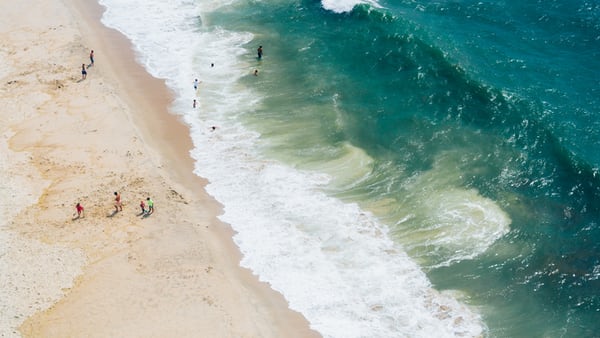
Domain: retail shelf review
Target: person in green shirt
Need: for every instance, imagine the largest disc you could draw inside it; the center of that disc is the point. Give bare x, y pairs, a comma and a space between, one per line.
150, 205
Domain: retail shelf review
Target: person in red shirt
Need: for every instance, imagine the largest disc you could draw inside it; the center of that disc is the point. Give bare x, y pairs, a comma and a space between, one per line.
79, 208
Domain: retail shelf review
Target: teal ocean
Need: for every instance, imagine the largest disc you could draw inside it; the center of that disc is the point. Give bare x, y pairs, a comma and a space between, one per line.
440, 156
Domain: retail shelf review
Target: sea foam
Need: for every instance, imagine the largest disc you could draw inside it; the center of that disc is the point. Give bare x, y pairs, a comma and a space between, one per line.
340, 6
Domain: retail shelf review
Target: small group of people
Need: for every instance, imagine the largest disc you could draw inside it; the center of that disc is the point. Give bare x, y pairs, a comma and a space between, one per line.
259, 51
196, 83
119, 206
83, 68
150, 206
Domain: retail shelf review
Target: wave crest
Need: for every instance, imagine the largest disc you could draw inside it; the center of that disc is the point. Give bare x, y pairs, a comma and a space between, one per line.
342, 6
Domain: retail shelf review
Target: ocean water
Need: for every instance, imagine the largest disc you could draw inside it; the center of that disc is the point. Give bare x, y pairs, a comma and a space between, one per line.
397, 168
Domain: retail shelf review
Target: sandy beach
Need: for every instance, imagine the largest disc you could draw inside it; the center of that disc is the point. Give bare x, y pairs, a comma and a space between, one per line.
68, 140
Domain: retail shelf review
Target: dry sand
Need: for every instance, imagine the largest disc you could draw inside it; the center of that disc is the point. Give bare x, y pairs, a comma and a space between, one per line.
66, 140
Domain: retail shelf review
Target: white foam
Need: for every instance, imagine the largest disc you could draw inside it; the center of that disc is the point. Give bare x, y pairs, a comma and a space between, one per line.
331, 260
341, 6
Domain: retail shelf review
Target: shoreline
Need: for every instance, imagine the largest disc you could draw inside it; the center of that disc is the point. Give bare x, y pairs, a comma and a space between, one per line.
174, 273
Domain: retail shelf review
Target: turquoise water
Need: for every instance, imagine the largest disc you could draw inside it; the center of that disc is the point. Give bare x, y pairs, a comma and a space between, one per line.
499, 97
502, 96
465, 132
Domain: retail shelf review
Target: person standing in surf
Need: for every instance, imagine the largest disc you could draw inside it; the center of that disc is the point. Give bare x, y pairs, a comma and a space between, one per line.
259, 51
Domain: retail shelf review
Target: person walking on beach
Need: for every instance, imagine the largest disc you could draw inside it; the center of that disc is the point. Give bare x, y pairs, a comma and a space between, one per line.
79, 209
260, 52
118, 204
92, 58
150, 205
83, 72
143, 206
194, 104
